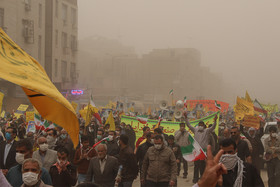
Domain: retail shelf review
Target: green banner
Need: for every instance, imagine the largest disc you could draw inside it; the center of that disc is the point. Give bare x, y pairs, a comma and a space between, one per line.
169, 127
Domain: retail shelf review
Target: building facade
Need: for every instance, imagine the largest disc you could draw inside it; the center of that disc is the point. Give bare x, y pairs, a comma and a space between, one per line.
47, 30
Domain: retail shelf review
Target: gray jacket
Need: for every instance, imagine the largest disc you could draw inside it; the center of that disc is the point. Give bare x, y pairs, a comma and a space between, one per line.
159, 165
202, 137
49, 160
182, 139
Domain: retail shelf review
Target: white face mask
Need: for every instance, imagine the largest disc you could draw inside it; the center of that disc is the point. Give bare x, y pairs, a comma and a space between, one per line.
30, 178
61, 162
229, 160
43, 147
111, 138
158, 146
273, 135
19, 158
152, 141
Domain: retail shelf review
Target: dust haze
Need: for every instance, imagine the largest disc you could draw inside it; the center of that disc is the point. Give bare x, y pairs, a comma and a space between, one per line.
238, 42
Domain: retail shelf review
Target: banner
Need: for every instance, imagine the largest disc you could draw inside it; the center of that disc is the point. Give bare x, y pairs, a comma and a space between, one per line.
21, 69
243, 108
251, 121
1, 100
31, 127
208, 104
169, 127
29, 116
270, 108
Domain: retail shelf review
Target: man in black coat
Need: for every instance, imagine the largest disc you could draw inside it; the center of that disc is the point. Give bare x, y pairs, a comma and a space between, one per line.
8, 150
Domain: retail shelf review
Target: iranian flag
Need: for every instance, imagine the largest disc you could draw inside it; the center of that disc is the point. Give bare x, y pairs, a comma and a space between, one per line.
38, 123
185, 102
193, 152
142, 119
171, 92
218, 106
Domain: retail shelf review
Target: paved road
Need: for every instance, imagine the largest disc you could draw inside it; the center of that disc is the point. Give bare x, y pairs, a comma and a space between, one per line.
188, 182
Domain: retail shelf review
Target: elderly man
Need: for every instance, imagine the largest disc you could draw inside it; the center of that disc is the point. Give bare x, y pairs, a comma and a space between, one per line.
24, 150
159, 167
103, 168
45, 155
31, 173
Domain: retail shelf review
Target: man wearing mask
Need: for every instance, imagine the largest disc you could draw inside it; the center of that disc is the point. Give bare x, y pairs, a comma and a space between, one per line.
159, 165
113, 148
202, 136
64, 141
142, 150
100, 135
239, 173
45, 155
243, 151
8, 150
63, 173
254, 136
272, 156
24, 150
102, 169
31, 173
51, 138
91, 132
82, 158
182, 139
128, 160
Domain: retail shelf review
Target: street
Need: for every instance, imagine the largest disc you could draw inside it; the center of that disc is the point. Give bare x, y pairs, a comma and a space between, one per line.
188, 182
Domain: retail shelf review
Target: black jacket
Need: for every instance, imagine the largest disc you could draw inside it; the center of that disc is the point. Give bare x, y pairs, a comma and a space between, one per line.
11, 158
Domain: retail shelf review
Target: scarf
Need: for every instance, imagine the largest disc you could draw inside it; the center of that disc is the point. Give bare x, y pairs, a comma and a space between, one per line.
230, 161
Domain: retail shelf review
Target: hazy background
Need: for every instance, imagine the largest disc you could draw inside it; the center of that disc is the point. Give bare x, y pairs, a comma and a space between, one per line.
238, 39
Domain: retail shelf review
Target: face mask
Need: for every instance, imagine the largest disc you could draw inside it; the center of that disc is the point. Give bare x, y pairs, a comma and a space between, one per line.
63, 136
273, 135
30, 178
43, 147
19, 158
61, 162
8, 136
229, 160
152, 141
222, 127
200, 128
158, 146
50, 138
90, 129
110, 137
99, 137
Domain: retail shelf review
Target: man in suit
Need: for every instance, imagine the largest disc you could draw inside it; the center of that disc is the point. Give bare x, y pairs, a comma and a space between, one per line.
8, 150
103, 168
45, 155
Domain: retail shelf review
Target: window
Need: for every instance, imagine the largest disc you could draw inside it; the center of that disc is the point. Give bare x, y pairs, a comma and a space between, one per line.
56, 8
39, 47
64, 40
74, 43
40, 16
74, 17
56, 38
2, 17
64, 14
64, 70
55, 67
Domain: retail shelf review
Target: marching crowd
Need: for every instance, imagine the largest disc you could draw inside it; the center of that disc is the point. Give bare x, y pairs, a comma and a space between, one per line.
49, 158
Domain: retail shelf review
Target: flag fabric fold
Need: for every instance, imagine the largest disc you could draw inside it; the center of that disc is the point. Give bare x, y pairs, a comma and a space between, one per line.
193, 152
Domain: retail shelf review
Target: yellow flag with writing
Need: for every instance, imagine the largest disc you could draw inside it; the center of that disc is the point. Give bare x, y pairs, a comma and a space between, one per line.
247, 97
243, 108
110, 120
20, 68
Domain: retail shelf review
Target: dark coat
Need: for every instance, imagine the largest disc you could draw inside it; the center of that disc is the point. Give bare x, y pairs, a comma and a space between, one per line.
11, 158
66, 178
107, 178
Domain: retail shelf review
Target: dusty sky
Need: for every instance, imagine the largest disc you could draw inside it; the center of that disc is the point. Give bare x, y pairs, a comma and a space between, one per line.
239, 39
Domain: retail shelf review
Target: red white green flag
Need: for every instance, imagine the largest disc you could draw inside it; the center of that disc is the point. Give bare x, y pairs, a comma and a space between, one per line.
142, 119
218, 106
193, 152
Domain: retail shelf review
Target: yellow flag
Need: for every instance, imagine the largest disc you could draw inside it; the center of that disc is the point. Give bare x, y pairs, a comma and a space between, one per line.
242, 108
74, 105
110, 120
3, 114
21, 69
247, 97
1, 100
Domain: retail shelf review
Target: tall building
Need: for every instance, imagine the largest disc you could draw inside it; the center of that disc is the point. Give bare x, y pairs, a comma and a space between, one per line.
47, 30
61, 42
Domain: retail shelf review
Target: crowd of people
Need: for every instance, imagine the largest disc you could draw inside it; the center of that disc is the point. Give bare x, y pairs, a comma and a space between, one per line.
49, 158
